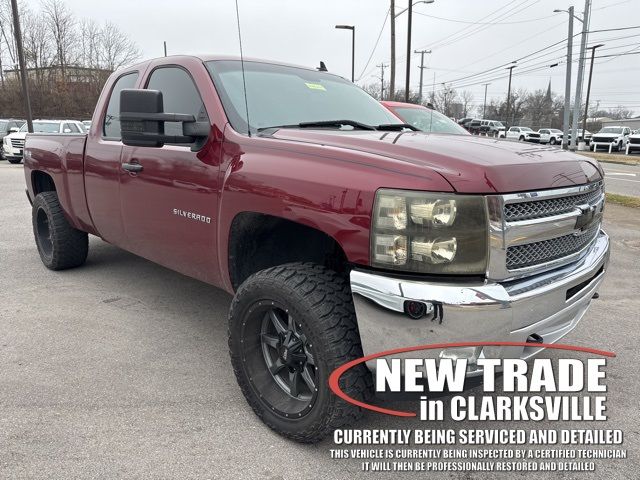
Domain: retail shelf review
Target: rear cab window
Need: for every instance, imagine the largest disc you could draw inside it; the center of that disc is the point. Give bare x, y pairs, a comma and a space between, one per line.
111, 122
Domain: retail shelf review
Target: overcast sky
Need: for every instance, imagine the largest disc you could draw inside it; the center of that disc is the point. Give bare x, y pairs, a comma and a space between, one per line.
302, 32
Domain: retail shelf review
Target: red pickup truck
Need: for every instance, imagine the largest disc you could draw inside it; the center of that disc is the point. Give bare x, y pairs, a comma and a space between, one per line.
339, 230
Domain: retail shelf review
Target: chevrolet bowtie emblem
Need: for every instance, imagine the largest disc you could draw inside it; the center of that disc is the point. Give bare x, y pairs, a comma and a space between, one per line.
587, 214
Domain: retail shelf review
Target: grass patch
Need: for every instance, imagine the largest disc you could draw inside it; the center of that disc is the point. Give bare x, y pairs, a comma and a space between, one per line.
612, 158
624, 200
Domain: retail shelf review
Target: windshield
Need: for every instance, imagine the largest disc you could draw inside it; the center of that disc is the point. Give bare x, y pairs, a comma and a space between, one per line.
525, 129
498, 124
43, 127
281, 95
555, 130
429, 120
616, 130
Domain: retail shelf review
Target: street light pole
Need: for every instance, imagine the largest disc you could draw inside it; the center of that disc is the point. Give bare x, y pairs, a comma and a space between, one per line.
23, 70
509, 94
586, 106
421, 67
578, 100
353, 47
484, 105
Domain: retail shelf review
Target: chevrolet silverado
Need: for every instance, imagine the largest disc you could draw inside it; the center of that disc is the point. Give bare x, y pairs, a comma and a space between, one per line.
339, 230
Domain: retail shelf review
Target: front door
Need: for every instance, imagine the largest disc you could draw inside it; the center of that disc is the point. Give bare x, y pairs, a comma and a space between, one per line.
169, 206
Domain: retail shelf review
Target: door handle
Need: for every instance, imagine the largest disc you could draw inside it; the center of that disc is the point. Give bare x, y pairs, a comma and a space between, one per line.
132, 167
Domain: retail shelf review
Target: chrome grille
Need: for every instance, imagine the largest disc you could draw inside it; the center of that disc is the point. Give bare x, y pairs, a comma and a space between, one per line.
532, 232
537, 253
17, 143
547, 208
604, 139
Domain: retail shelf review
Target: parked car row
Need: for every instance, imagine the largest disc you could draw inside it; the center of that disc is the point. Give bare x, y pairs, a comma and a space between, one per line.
14, 136
491, 128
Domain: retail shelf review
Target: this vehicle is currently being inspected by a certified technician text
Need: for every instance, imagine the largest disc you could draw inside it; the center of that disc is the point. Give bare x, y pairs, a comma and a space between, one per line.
338, 229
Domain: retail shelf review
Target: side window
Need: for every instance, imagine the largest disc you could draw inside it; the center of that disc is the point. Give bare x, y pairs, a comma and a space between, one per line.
179, 95
111, 125
72, 127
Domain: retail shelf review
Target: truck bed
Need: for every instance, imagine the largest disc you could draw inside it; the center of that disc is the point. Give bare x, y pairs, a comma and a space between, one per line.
62, 157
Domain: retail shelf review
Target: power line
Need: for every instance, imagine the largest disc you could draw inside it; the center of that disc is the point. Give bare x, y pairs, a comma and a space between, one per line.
483, 23
376, 44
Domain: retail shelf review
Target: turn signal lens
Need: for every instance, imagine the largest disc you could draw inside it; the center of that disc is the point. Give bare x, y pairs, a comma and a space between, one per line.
434, 251
392, 212
441, 213
391, 249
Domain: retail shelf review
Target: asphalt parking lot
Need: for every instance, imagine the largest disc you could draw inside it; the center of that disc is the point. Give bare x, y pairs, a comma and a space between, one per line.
622, 179
120, 368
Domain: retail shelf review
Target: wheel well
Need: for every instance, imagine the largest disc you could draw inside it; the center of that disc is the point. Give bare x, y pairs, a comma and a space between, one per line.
258, 241
42, 182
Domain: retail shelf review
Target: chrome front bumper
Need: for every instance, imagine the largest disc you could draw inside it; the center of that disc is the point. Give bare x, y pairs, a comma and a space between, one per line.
549, 304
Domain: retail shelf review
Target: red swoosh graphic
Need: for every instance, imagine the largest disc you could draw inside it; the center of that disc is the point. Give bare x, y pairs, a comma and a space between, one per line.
334, 378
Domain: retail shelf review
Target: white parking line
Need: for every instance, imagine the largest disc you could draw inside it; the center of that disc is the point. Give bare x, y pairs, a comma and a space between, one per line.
624, 180
621, 173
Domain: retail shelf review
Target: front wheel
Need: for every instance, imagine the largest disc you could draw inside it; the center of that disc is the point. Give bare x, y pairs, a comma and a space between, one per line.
289, 327
14, 161
521, 139
552, 141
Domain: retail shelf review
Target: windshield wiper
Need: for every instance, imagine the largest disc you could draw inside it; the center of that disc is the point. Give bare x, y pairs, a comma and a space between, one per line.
324, 123
396, 127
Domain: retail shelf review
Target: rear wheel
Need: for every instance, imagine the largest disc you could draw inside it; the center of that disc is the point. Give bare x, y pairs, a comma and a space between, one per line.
289, 328
59, 244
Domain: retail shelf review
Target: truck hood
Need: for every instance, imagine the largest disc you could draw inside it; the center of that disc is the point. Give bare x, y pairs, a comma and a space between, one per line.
469, 163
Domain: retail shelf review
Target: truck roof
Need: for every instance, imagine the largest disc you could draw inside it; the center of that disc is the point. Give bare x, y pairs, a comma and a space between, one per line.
212, 57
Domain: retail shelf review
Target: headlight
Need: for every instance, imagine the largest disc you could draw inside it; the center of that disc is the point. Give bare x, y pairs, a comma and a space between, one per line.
436, 233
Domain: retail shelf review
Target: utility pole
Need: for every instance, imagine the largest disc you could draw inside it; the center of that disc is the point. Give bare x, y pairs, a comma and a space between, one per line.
586, 106
23, 71
165, 48
392, 81
583, 51
382, 66
567, 88
484, 105
509, 94
421, 67
407, 80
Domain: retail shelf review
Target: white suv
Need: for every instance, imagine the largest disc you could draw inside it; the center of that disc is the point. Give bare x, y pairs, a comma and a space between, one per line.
552, 136
13, 144
611, 137
523, 134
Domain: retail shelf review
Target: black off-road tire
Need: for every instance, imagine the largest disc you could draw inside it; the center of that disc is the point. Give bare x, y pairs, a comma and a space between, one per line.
59, 244
320, 301
552, 141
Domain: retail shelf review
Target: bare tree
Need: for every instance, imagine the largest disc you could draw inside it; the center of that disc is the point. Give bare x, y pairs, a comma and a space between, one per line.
117, 50
62, 27
467, 99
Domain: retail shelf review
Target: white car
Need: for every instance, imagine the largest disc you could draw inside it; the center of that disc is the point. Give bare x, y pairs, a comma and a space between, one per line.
633, 142
13, 144
611, 137
552, 136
